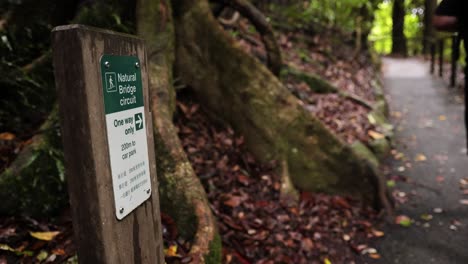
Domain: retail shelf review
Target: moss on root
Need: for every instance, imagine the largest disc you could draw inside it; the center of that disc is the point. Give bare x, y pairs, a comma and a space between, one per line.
172, 199
316, 83
216, 251
275, 124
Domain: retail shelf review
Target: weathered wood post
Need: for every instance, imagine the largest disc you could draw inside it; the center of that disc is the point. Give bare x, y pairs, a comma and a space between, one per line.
108, 143
433, 56
441, 57
454, 59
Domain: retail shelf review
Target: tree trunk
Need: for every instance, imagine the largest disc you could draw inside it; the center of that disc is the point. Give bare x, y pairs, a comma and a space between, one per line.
429, 31
245, 93
398, 36
181, 193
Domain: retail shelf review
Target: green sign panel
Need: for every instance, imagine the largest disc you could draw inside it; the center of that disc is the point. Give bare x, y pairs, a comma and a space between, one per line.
126, 133
121, 82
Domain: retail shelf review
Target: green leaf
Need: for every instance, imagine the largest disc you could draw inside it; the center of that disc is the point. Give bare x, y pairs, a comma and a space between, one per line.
403, 220
6, 247
42, 255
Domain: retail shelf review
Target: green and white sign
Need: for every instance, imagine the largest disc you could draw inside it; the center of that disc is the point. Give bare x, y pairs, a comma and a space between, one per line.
126, 132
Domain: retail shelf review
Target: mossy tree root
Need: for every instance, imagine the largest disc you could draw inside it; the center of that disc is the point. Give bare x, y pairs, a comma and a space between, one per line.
181, 193
246, 94
34, 183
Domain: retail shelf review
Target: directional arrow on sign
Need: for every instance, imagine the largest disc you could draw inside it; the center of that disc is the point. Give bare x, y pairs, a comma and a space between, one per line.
139, 121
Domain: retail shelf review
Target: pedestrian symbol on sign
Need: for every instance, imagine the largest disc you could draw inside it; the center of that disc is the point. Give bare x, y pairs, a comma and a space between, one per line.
139, 121
111, 82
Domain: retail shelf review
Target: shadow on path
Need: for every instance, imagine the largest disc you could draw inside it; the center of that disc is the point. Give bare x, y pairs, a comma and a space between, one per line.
428, 119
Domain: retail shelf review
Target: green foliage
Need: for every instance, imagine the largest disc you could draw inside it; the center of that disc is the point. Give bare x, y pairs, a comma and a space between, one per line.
347, 15
381, 34
26, 98
105, 14
39, 189
343, 13
382, 30
37, 186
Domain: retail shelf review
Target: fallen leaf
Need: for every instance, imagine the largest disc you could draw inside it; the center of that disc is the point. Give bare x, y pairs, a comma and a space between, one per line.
399, 156
397, 114
391, 183
7, 136
420, 157
442, 118
18, 252
327, 261
378, 233
440, 178
375, 135
401, 194
369, 251
46, 236
426, 217
7, 232
171, 251
463, 182
59, 252
243, 179
6, 247
233, 201
307, 244
42, 255
403, 220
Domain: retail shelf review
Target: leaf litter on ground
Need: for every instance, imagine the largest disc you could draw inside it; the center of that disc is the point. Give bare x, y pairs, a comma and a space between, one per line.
244, 195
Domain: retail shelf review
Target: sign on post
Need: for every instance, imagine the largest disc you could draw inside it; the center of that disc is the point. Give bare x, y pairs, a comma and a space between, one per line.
127, 140
108, 144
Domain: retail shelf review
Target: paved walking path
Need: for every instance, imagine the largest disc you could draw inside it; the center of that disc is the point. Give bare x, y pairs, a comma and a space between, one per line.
428, 117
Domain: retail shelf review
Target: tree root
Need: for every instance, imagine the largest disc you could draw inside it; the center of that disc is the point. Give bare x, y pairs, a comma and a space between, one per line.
181, 193
247, 95
288, 193
248, 10
37, 62
231, 21
34, 182
37, 142
319, 85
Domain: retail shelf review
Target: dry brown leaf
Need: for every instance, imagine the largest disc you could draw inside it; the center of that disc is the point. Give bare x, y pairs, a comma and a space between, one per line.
378, 233
7, 136
233, 201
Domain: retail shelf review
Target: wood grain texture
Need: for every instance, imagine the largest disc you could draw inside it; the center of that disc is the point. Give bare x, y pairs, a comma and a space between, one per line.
100, 237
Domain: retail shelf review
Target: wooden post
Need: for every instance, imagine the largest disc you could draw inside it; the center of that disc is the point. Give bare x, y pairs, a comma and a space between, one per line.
441, 57
433, 56
92, 146
454, 59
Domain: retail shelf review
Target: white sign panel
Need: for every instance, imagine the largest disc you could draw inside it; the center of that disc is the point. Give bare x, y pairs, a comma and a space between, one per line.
126, 132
